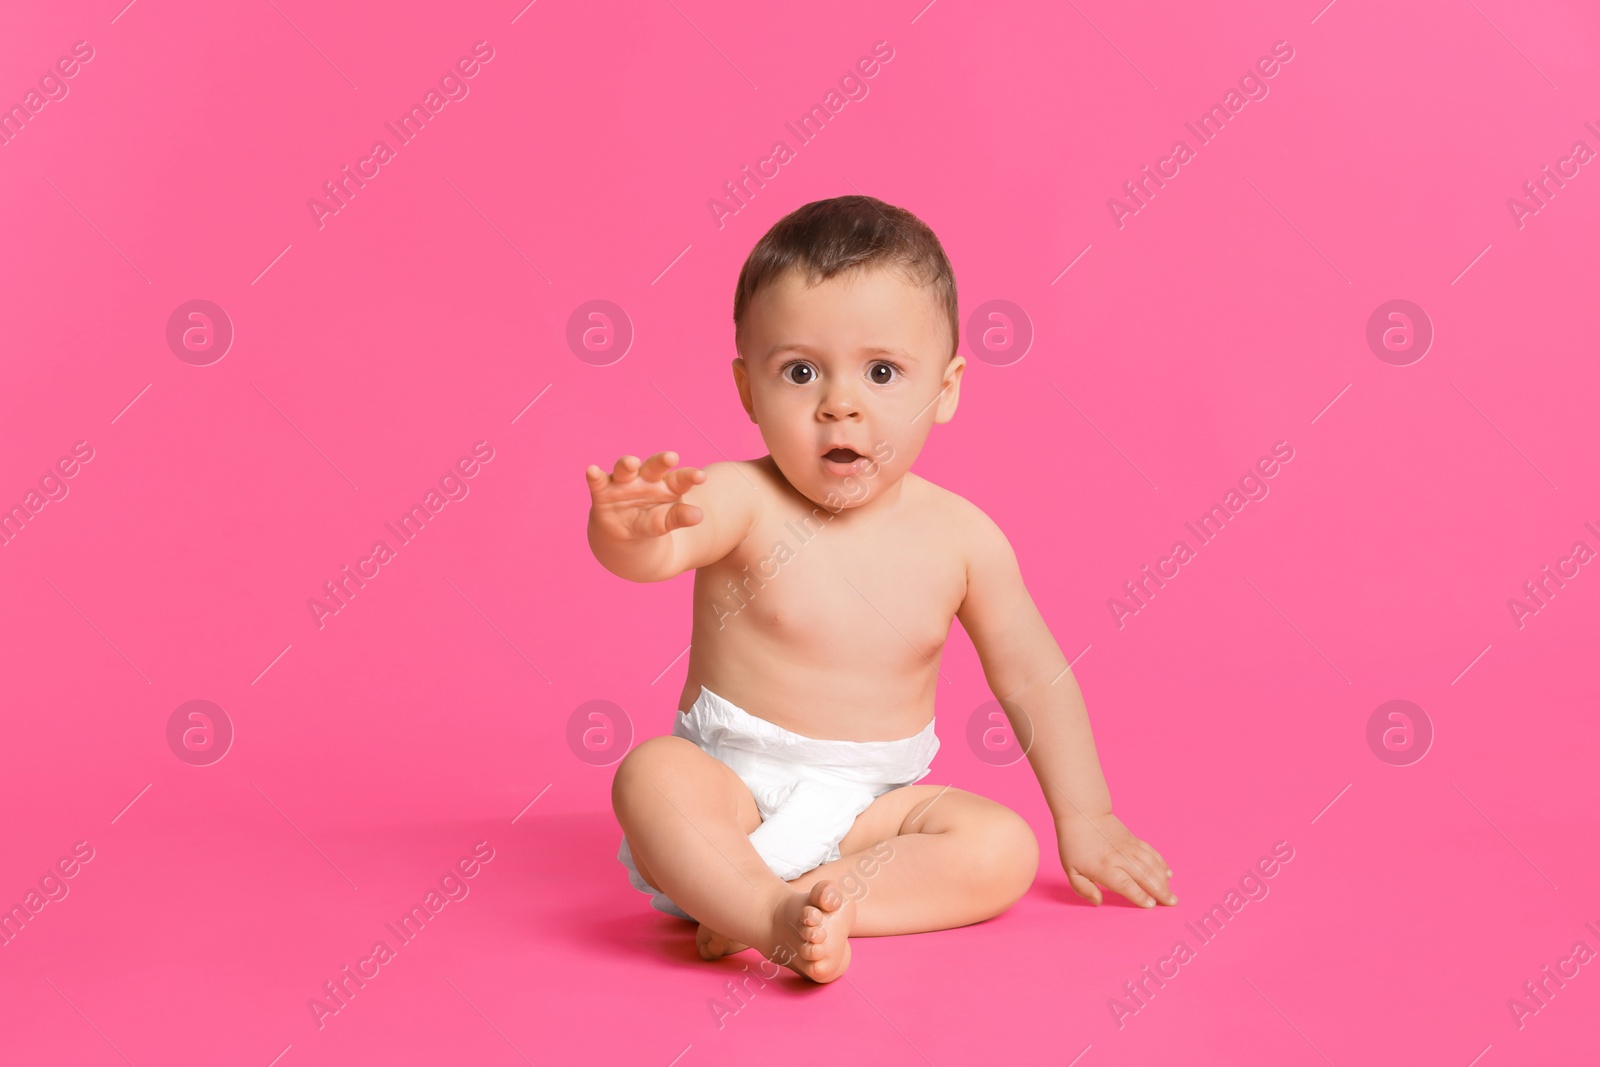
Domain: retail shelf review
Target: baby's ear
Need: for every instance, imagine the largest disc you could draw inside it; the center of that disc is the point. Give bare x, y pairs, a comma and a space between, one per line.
741, 380
952, 390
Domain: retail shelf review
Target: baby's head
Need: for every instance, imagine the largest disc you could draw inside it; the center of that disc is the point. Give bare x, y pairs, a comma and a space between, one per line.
846, 324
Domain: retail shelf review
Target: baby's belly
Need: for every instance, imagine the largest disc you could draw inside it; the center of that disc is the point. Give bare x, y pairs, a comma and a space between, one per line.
817, 691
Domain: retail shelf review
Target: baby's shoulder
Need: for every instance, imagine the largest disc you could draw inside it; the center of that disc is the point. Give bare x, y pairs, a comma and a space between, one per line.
960, 518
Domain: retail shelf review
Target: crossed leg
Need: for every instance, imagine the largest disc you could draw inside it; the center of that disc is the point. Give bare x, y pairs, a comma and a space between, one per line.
922, 857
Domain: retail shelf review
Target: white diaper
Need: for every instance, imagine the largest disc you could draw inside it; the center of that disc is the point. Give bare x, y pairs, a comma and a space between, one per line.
809, 790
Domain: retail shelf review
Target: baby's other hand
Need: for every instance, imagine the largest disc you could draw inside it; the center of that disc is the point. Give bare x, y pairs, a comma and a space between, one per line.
641, 500
1099, 849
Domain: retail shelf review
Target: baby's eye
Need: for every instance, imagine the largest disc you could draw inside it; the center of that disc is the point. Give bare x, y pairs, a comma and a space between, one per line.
800, 373
882, 373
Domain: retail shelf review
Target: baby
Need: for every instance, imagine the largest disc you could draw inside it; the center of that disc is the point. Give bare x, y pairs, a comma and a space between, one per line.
781, 812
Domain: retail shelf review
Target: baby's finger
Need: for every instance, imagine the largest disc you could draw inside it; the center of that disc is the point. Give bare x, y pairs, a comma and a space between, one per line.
657, 465
681, 480
1124, 883
1151, 877
1163, 864
681, 514
1084, 887
595, 477
626, 470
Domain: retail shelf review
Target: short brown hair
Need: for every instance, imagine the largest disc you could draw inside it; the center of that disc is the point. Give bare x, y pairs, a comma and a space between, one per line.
827, 237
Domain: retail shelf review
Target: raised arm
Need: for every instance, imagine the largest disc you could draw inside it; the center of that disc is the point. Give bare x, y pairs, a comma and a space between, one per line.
1030, 677
649, 521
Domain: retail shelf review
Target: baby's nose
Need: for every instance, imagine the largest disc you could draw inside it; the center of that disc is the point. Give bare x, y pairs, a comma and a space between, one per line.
839, 404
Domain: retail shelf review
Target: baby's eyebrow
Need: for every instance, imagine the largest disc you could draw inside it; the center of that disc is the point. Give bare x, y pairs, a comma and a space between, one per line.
870, 350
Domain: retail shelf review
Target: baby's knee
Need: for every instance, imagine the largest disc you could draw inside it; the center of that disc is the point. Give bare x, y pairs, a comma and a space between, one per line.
648, 763
1012, 855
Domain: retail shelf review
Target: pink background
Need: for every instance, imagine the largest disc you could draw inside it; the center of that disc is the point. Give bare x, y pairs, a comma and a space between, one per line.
1227, 314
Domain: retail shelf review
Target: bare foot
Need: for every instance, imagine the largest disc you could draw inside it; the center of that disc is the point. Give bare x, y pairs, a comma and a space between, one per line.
812, 931
713, 945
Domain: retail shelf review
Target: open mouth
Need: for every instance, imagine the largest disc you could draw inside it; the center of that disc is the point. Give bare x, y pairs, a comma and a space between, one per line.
842, 455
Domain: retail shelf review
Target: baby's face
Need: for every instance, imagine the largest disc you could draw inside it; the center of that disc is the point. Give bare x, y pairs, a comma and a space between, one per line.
857, 362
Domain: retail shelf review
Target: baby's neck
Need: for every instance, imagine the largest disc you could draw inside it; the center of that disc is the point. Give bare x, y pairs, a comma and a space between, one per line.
886, 499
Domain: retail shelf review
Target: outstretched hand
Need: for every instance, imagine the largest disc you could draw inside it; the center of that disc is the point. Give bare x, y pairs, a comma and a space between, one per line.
642, 500
1097, 850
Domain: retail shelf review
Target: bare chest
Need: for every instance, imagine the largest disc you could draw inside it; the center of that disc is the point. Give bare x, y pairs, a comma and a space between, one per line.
828, 592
